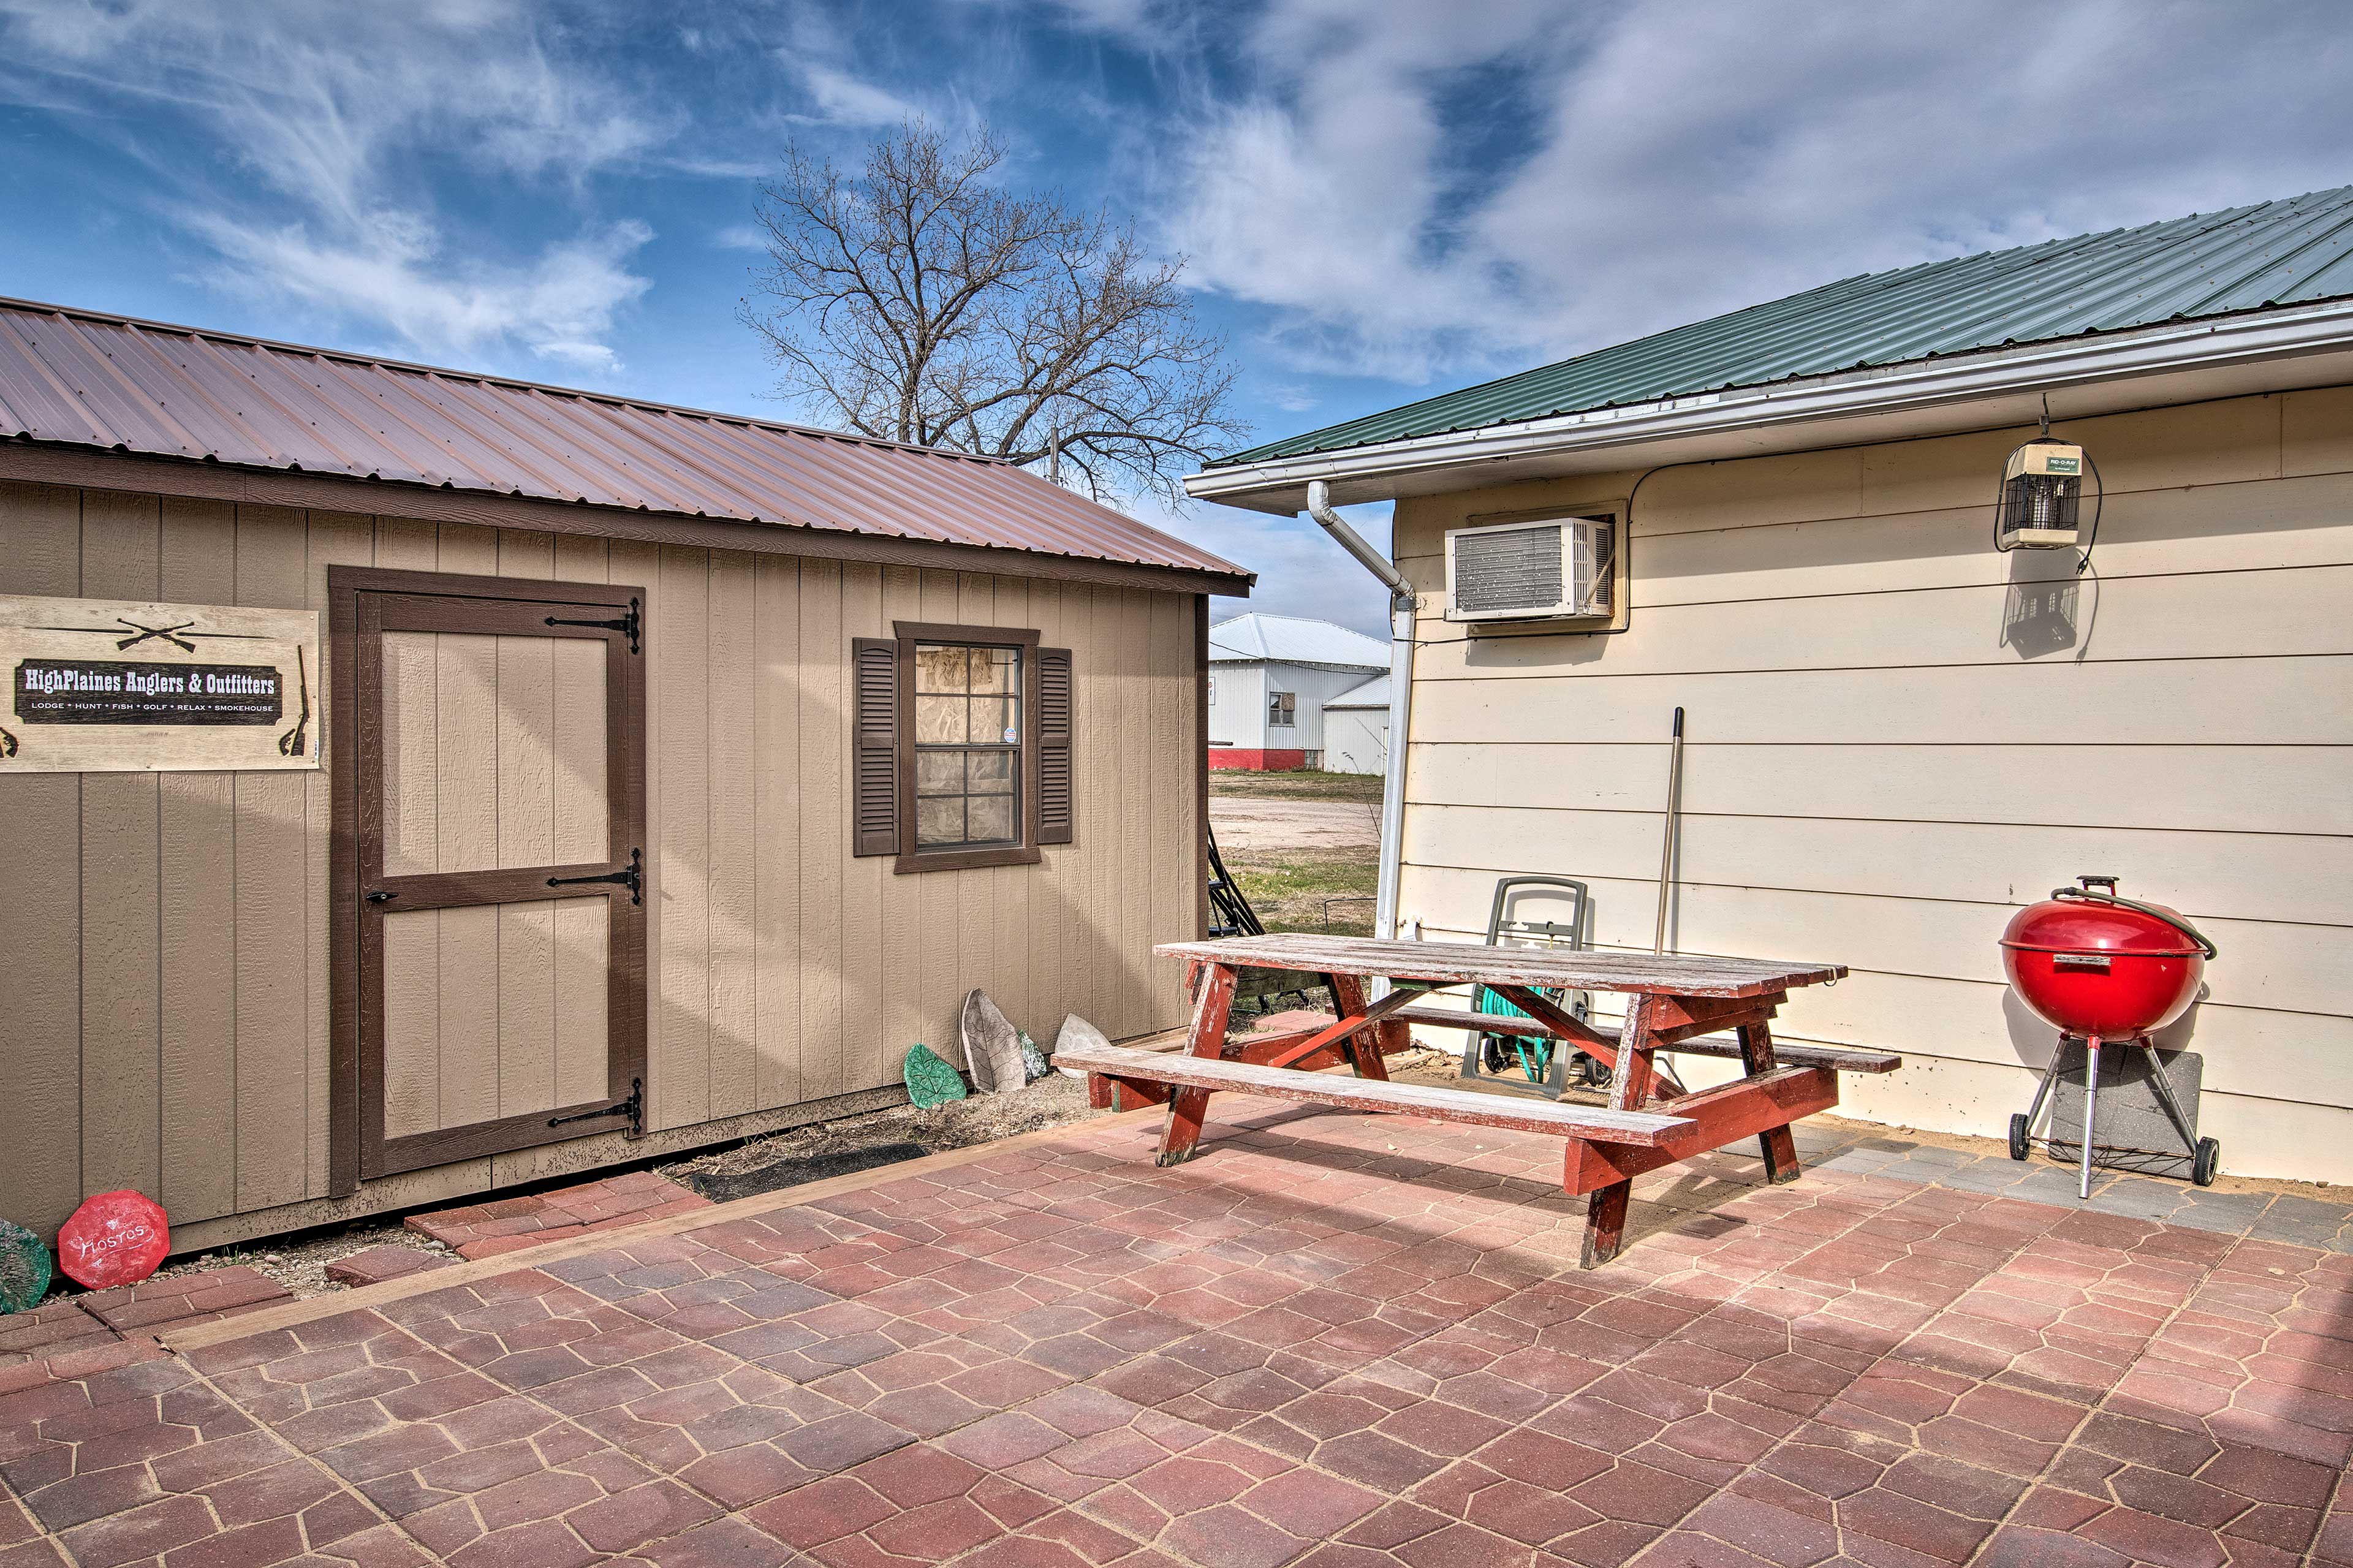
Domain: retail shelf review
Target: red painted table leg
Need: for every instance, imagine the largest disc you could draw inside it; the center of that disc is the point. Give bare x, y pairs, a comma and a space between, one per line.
1362, 1049
1630, 1086
1779, 1150
1188, 1107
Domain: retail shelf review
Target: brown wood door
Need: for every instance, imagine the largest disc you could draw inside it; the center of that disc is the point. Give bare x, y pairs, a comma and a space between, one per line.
497, 777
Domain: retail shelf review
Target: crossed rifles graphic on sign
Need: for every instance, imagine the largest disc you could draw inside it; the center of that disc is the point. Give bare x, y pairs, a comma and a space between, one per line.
292, 744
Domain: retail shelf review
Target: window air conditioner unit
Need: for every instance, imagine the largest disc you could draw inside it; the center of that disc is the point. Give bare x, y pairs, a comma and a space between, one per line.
1554, 569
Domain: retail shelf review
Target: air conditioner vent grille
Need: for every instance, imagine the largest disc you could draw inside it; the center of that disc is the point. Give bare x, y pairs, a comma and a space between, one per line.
1508, 569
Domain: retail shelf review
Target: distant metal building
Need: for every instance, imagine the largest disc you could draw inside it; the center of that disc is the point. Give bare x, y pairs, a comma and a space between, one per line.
1357, 729
1269, 678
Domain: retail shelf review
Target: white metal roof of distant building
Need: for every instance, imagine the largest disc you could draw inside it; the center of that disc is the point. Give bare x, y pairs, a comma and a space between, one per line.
1293, 639
1374, 693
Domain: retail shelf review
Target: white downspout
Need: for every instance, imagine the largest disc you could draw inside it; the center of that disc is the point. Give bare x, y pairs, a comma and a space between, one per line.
1401, 633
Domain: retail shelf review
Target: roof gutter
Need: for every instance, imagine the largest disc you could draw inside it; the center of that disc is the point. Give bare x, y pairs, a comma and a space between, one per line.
2215, 343
1402, 607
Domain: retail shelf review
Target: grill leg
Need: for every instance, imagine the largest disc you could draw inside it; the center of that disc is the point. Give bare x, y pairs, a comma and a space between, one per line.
2042, 1089
2163, 1083
2091, 1106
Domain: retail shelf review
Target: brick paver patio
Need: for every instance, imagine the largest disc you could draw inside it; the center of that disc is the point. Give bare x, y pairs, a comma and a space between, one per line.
1331, 1341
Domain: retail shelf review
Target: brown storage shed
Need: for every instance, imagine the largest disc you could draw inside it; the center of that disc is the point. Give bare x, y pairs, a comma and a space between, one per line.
677, 771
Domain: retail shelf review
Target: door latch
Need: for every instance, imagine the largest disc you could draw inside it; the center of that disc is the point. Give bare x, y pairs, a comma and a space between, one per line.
634, 879
381, 894
628, 623
634, 1108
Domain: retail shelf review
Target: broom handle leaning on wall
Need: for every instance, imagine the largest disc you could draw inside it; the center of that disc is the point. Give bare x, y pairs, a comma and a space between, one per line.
1667, 840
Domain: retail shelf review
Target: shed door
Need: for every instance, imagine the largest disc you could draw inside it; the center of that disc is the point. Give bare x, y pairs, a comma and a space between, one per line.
501, 837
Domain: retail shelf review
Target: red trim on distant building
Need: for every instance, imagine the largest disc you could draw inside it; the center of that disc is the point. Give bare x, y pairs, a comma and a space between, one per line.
1257, 762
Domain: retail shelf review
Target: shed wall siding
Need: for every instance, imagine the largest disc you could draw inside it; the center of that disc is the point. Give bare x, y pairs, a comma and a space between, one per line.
192, 1060
1875, 776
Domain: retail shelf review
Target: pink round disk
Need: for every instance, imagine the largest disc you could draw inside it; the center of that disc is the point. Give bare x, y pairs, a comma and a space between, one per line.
114, 1239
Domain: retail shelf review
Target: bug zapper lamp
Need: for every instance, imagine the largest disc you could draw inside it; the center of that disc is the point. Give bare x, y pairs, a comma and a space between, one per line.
2041, 497
2042, 491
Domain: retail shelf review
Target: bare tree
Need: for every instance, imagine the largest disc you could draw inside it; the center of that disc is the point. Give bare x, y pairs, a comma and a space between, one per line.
920, 301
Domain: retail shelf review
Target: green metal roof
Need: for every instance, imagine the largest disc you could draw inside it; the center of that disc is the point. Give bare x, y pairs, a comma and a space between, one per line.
2289, 252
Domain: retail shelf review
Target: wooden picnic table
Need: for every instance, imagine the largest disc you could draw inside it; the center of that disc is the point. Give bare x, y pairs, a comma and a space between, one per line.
1650, 1121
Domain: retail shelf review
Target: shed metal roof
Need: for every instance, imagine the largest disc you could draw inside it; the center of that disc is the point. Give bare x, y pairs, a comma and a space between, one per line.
2298, 250
87, 379
1374, 693
1294, 640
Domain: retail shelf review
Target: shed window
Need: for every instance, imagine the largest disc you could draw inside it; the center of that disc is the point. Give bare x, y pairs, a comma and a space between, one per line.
1282, 707
962, 747
967, 746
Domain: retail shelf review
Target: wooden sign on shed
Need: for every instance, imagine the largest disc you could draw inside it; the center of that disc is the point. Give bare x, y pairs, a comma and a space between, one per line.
98, 685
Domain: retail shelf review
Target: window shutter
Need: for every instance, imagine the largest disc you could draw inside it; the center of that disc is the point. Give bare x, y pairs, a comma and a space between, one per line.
1055, 811
874, 745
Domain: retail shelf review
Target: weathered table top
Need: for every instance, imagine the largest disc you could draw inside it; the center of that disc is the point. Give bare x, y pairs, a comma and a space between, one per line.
1450, 963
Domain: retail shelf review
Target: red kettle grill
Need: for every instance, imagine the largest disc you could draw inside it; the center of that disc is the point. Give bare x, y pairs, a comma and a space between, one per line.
2109, 969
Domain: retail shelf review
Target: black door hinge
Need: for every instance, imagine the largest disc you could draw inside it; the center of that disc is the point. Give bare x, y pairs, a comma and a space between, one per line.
634, 1108
634, 879
628, 623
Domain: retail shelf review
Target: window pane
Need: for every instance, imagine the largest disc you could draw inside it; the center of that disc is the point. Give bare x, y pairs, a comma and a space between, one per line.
939, 667
939, 773
940, 821
993, 721
939, 721
991, 817
993, 668
992, 772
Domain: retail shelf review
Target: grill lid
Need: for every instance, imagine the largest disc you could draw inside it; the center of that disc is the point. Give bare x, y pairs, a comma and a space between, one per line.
2091, 918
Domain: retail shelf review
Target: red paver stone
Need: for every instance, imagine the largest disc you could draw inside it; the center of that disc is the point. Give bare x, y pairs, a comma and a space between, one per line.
53, 1329
507, 1225
388, 1261
153, 1304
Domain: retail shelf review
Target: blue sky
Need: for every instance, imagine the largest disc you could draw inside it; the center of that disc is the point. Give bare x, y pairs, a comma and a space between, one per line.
1379, 198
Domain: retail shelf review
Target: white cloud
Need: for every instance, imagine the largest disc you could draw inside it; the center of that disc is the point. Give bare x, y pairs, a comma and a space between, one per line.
740, 236
842, 99
1436, 193
329, 112
560, 306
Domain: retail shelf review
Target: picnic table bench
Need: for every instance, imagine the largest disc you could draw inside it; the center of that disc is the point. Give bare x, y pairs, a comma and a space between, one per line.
1674, 1003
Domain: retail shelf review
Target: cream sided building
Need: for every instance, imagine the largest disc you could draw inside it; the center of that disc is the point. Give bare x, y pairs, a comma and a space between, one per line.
1897, 733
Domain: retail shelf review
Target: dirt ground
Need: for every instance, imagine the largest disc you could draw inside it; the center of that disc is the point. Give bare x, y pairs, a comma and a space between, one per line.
299, 1262
1248, 823
982, 1118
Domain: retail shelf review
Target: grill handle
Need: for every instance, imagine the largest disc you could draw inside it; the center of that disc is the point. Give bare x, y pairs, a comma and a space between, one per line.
2085, 895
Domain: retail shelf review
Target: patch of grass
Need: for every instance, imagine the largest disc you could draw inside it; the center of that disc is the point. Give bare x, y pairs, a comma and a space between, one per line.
1301, 786
1287, 887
